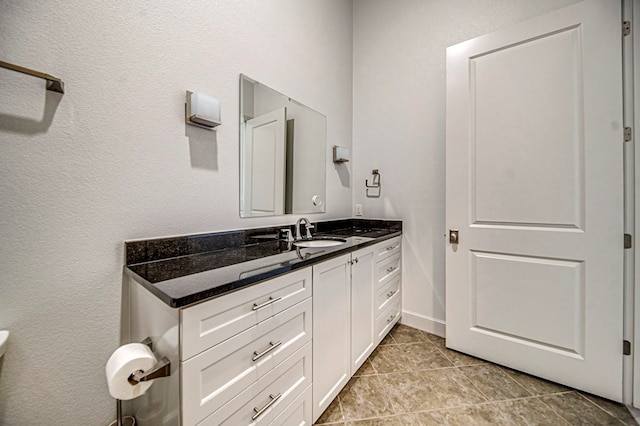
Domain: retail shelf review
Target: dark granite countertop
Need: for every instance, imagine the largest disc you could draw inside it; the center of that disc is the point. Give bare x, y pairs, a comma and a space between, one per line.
182, 271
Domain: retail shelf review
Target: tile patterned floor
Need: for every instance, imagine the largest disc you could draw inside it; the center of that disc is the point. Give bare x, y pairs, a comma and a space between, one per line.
413, 379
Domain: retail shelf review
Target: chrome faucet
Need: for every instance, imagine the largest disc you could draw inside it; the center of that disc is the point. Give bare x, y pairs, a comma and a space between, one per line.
308, 226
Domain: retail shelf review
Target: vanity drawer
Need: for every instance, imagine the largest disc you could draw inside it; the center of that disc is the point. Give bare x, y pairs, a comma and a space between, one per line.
387, 320
388, 248
297, 413
216, 320
386, 294
388, 269
264, 401
217, 375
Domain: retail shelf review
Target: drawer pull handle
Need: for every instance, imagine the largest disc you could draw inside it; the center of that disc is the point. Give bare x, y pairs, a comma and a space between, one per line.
258, 355
391, 269
391, 247
258, 411
265, 304
391, 293
390, 319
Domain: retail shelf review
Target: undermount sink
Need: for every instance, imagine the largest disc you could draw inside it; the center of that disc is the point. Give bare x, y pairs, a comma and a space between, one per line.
320, 242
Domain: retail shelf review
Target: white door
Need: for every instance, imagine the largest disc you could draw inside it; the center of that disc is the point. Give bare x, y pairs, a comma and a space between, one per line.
264, 164
535, 188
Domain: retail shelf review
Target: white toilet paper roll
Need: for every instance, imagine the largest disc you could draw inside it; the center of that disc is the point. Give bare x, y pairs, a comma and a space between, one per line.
128, 359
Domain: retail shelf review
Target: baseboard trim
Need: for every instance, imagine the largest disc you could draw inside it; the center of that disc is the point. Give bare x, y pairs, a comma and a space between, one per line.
425, 323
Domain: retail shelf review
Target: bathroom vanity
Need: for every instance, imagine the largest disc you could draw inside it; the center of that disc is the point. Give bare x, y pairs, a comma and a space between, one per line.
257, 330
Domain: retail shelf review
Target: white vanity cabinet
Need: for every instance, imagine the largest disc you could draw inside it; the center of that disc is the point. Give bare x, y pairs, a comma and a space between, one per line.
242, 358
356, 301
388, 286
274, 353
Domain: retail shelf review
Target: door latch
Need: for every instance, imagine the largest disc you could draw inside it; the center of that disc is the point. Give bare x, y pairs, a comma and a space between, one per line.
453, 236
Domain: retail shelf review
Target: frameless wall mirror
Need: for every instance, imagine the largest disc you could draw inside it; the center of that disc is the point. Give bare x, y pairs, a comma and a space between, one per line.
282, 153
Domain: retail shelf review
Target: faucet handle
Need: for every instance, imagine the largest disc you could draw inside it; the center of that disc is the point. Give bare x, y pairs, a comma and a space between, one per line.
309, 226
286, 233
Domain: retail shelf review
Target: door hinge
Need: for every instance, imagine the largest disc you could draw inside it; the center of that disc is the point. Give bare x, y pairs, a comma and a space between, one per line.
627, 241
628, 134
626, 28
626, 347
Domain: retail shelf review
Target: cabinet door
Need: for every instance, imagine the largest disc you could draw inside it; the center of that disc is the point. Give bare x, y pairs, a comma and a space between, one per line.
362, 306
331, 331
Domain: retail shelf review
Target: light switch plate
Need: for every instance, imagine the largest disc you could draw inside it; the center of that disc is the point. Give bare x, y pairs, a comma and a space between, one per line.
358, 209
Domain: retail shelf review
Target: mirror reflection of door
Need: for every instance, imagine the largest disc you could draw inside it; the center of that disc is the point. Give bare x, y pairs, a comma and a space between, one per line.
305, 137
264, 162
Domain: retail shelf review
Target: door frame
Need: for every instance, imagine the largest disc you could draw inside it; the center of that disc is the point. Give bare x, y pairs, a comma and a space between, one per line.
631, 92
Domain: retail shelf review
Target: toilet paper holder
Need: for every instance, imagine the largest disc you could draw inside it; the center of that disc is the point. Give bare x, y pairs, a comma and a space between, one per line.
161, 369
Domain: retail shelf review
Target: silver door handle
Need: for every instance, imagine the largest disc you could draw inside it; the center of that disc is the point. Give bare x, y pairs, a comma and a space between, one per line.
391, 247
258, 411
391, 293
454, 237
257, 356
391, 269
265, 304
390, 319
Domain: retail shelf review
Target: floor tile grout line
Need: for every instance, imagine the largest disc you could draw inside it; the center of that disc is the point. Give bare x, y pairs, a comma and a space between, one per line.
473, 384
464, 406
597, 405
513, 379
341, 409
552, 409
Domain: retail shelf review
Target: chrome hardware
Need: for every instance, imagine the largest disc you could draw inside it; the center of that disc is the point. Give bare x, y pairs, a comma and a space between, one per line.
391, 293
257, 356
390, 319
626, 28
54, 84
355, 260
628, 134
375, 181
391, 247
162, 369
375, 184
308, 227
265, 304
259, 411
391, 269
453, 236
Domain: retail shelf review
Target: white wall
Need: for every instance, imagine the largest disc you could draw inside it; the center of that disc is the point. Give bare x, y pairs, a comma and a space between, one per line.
115, 162
399, 123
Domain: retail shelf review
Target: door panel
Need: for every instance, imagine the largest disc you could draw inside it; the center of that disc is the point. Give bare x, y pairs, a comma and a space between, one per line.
535, 188
533, 300
263, 156
526, 114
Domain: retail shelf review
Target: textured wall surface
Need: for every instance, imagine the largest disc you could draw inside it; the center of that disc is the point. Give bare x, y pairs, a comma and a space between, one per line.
399, 123
112, 160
